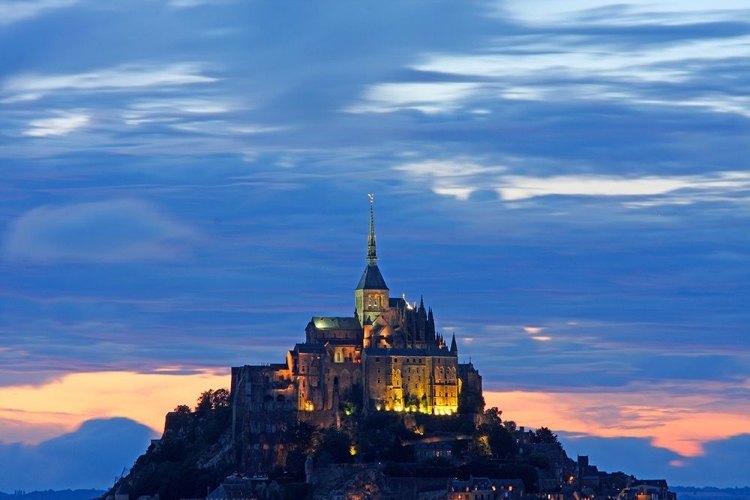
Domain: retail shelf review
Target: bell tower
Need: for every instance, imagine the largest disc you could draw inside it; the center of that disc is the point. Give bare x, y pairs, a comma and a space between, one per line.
371, 294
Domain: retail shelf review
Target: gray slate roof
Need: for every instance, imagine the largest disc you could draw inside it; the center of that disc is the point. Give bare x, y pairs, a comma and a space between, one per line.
371, 279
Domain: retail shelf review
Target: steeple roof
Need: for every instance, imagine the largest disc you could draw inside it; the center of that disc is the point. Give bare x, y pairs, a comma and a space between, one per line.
371, 278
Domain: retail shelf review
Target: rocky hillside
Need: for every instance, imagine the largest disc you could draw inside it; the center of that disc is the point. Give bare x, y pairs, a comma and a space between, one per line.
193, 455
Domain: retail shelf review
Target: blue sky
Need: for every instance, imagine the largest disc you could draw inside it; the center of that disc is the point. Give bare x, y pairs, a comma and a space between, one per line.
566, 183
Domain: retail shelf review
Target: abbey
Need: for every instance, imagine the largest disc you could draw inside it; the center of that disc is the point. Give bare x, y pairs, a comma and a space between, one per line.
387, 357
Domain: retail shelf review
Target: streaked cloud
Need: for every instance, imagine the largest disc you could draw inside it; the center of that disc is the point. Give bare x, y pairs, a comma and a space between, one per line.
187, 4
171, 109
519, 187
606, 12
106, 231
428, 98
461, 177
12, 11
565, 56
221, 127
62, 124
122, 77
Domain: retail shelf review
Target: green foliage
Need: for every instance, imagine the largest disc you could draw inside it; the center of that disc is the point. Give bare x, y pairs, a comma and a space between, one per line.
493, 440
351, 403
333, 447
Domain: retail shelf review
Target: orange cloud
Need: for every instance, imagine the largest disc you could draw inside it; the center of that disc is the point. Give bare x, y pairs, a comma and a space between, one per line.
677, 422
31, 414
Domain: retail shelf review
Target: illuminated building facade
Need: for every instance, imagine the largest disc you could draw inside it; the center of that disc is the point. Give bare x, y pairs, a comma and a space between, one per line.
387, 357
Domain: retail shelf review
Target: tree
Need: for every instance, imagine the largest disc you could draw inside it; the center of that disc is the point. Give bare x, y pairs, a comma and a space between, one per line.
334, 447
220, 399
212, 400
470, 401
492, 416
501, 442
545, 436
182, 409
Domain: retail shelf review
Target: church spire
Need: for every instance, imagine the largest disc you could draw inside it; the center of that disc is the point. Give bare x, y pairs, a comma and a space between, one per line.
372, 256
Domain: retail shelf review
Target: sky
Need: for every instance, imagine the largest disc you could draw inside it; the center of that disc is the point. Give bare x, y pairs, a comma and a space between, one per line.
567, 185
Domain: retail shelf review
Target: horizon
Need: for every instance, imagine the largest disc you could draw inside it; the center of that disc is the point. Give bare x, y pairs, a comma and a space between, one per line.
184, 185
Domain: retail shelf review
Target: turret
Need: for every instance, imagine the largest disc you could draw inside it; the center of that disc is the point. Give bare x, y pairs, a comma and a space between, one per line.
430, 327
454, 347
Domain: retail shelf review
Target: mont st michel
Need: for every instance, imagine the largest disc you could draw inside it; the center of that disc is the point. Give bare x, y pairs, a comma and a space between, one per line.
564, 185
371, 406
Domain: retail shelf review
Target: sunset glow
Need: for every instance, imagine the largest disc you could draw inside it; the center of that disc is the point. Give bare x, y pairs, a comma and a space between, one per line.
31, 414
673, 422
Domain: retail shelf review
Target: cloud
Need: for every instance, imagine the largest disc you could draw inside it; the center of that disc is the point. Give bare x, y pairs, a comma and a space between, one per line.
108, 231
461, 177
520, 187
89, 457
123, 77
171, 109
607, 12
458, 177
32, 414
557, 65
429, 98
683, 424
65, 123
12, 11
564, 56
187, 4
220, 127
